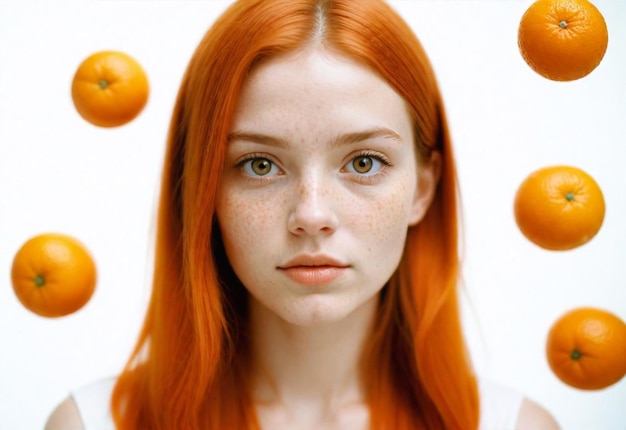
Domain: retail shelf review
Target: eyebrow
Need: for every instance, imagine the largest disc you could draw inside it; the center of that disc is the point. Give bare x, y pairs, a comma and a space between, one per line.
342, 139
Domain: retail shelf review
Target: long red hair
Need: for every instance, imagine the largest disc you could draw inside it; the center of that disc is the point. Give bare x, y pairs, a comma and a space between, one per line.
188, 369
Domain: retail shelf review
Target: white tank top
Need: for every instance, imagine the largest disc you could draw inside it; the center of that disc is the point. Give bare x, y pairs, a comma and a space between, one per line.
500, 405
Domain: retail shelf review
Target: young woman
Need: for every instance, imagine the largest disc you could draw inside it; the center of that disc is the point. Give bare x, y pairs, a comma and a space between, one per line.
306, 259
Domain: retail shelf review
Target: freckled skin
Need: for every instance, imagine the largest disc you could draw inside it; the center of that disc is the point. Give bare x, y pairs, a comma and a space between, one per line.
312, 202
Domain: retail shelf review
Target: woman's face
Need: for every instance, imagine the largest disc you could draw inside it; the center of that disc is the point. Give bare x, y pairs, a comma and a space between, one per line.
320, 185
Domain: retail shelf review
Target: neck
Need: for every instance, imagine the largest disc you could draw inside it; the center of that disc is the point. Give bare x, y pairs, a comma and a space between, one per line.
314, 368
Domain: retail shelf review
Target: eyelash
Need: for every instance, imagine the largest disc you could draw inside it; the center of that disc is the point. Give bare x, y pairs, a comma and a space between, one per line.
239, 164
362, 178
373, 154
369, 178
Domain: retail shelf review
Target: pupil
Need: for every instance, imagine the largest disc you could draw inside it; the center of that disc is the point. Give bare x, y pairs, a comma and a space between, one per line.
261, 166
362, 164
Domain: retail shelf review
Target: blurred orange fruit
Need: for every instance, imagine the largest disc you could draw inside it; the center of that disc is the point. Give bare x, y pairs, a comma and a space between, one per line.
53, 275
586, 348
109, 89
559, 207
562, 40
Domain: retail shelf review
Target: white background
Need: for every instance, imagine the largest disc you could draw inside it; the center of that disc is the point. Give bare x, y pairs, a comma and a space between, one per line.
59, 173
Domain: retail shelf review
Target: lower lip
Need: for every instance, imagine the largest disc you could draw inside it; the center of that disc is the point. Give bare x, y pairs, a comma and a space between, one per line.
314, 275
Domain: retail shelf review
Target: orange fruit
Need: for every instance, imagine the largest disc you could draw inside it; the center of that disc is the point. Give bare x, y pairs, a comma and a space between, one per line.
586, 348
559, 207
53, 275
562, 40
109, 89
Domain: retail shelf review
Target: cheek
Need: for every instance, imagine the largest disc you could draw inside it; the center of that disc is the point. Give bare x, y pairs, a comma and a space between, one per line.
384, 233
389, 216
242, 219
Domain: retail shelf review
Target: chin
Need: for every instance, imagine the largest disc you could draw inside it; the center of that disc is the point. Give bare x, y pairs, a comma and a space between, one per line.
320, 311
315, 319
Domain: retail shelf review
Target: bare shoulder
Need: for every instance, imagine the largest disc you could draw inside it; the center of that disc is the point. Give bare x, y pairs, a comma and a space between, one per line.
65, 417
532, 416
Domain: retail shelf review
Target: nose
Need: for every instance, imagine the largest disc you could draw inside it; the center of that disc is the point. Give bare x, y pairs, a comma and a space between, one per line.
312, 211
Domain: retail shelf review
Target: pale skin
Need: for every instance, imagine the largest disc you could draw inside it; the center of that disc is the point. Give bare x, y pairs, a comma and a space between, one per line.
308, 337
321, 171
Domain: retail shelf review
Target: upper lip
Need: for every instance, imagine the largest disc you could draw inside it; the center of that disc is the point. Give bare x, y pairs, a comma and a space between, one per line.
312, 260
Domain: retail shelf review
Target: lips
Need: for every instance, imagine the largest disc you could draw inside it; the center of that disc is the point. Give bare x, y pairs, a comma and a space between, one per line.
314, 270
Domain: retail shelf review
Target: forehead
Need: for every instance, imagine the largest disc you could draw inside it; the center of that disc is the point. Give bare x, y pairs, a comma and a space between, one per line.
318, 87
319, 66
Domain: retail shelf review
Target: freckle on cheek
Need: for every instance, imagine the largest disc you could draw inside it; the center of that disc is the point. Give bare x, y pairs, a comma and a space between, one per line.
249, 215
